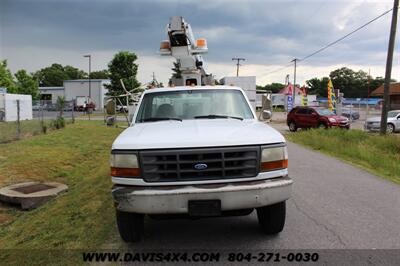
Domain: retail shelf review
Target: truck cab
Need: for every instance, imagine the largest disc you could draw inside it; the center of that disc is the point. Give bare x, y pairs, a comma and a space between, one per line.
198, 152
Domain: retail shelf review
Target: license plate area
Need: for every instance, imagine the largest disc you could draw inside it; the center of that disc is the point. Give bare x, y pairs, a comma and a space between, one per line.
204, 208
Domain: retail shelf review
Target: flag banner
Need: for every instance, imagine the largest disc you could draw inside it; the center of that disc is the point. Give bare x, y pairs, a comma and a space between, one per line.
331, 97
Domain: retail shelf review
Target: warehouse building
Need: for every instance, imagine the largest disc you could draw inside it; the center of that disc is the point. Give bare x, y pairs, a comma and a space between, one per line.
79, 87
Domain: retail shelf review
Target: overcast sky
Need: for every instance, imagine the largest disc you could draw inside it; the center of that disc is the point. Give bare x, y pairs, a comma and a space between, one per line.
269, 34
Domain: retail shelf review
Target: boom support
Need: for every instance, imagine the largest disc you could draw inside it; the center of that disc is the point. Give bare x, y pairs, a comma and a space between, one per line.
182, 45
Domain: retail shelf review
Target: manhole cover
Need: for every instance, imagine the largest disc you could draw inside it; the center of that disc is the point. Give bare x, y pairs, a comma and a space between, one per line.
33, 188
31, 195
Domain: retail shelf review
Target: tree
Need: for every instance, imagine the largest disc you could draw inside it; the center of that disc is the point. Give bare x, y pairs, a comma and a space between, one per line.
55, 75
353, 84
122, 67
26, 84
101, 74
176, 70
6, 78
318, 86
273, 87
74, 73
60, 105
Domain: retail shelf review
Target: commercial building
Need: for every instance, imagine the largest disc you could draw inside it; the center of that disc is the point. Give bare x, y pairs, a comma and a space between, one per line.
79, 87
394, 95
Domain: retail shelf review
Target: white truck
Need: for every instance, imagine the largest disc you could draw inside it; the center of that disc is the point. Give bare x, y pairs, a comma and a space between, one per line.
198, 152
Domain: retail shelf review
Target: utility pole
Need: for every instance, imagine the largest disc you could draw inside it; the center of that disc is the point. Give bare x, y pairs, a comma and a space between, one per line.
389, 62
294, 81
238, 59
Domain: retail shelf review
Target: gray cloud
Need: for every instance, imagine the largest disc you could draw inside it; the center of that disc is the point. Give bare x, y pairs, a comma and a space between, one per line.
265, 32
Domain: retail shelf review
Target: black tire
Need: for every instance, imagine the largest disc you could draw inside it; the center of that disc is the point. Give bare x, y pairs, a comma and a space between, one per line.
292, 126
272, 218
322, 125
130, 225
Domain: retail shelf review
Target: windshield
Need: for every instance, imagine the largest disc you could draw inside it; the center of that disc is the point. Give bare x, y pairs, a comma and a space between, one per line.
393, 114
325, 112
193, 104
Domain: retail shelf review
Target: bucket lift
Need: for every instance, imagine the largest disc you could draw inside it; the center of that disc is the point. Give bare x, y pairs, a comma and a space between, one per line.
188, 52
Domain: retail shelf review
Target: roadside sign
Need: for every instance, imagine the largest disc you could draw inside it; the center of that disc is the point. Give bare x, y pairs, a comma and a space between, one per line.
3, 90
289, 103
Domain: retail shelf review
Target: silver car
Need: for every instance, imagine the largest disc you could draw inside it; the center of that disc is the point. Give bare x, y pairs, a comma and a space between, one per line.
393, 122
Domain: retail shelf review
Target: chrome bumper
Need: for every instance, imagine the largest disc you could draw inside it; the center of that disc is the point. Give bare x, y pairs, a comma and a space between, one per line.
174, 199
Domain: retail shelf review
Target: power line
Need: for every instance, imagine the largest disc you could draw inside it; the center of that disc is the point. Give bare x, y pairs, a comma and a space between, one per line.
332, 43
344, 37
278, 69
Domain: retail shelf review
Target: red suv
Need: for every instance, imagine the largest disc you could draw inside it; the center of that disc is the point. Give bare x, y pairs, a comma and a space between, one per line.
307, 117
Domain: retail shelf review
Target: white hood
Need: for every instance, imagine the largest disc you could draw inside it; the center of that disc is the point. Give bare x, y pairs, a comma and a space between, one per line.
374, 119
196, 133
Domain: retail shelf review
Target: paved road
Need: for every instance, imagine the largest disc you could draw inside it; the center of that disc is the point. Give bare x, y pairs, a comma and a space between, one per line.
334, 205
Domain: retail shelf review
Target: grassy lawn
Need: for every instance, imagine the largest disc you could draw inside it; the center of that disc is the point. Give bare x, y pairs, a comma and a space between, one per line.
379, 155
81, 218
29, 128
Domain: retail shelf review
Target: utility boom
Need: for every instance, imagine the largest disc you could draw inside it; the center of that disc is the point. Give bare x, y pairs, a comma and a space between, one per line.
182, 45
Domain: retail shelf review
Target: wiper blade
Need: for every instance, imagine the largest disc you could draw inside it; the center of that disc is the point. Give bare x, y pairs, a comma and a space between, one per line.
218, 116
154, 119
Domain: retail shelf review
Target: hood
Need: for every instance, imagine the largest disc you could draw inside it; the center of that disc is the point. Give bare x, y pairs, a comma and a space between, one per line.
196, 133
338, 117
374, 119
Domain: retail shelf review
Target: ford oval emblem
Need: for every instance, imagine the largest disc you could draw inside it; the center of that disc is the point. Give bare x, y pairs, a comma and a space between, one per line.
200, 166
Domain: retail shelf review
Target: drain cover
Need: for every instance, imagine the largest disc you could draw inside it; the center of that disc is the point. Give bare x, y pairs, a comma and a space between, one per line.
33, 188
31, 195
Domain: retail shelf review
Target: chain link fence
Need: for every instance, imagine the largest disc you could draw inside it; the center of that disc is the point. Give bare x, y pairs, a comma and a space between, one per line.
46, 115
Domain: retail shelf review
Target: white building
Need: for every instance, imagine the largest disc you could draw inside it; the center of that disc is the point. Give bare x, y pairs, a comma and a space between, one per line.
247, 83
75, 88
9, 107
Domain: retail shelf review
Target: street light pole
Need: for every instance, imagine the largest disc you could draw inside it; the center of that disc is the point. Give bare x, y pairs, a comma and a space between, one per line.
90, 87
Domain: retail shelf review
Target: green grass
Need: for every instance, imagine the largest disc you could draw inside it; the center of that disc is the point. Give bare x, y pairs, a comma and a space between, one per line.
379, 155
29, 128
81, 218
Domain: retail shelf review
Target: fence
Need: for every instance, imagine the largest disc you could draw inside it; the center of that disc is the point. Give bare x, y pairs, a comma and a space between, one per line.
45, 116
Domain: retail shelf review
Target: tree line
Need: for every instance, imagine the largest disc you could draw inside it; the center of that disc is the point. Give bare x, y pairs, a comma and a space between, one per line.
354, 84
121, 67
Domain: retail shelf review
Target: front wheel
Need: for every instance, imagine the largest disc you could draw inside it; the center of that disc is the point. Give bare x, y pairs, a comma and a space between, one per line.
322, 126
390, 128
272, 218
292, 126
130, 225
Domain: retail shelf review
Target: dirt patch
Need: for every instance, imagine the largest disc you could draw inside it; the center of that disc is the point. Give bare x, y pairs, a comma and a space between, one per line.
5, 218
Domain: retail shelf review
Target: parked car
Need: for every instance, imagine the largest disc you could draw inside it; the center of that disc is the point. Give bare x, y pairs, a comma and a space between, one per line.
308, 117
350, 113
393, 122
36, 107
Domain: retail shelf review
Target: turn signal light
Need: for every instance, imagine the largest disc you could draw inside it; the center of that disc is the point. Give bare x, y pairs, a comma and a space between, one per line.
125, 172
274, 165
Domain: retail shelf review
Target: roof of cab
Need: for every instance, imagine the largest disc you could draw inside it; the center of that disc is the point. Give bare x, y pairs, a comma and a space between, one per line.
183, 88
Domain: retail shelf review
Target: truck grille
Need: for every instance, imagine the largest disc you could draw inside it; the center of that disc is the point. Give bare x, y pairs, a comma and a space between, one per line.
184, 164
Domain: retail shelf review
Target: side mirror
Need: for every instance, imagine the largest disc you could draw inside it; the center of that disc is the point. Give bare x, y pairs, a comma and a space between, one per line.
267, 114
314, 115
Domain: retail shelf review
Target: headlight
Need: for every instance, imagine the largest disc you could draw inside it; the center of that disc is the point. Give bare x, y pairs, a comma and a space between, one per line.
274, 158
124, 165
332, 120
